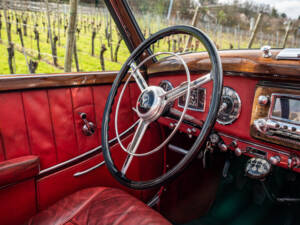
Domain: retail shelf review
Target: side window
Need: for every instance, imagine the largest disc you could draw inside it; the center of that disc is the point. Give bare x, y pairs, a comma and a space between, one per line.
34, 36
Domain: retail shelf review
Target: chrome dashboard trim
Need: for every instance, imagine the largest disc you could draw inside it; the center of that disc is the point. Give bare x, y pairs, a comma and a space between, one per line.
84, 155
273, 98
254, 144
89, 170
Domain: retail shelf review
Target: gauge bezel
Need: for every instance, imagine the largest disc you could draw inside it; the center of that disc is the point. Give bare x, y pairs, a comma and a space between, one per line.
239, 103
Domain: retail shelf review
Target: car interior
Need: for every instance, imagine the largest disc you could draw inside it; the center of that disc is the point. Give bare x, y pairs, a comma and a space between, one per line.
206, 137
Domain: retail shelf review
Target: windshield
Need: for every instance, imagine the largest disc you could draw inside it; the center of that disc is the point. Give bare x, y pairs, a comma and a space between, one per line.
236, 24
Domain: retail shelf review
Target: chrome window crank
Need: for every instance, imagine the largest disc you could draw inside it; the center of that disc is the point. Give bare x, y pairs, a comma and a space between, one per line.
88, 128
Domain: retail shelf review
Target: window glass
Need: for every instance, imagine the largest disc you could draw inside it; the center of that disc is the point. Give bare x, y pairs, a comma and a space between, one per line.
229, 23
28, 22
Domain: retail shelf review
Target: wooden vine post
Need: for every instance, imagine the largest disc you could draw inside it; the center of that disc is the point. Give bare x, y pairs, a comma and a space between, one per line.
254, 32
93, 41
71, 35
117, 47
19, 30
103, 49
10, 48
0, 26
37, 38
287, 32
194, 22
76, 57
50, 33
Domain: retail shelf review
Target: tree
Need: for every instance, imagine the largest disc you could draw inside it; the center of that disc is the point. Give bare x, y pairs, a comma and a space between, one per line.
71, 35
283, 15
274, 13
221, 17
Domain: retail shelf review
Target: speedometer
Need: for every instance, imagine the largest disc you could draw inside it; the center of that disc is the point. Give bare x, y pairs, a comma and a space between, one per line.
230, 107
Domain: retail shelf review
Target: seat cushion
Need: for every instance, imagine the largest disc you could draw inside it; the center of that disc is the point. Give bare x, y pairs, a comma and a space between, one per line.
99, 205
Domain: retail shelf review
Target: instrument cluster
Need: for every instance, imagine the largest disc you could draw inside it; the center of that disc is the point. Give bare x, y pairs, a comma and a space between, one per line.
230, 107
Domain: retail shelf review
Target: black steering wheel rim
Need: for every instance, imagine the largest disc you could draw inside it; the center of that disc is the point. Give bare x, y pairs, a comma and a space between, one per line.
217, 77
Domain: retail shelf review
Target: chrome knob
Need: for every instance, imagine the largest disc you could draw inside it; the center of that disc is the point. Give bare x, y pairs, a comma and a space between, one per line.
238, 151
222, 147
263, 100
266, 51
274, 160
223, 107
260, 125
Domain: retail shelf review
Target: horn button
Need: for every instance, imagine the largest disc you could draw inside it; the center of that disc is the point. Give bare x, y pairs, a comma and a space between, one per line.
150, 105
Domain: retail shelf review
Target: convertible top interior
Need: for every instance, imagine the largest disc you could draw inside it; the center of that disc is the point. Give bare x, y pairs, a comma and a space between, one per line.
208, 138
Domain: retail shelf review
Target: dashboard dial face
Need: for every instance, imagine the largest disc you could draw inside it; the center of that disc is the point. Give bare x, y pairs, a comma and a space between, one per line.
167, 86
230, 107
197, 100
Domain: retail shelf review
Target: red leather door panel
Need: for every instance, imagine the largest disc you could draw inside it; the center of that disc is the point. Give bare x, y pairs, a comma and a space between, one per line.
47, 123
14, 136
60, 101
39, 124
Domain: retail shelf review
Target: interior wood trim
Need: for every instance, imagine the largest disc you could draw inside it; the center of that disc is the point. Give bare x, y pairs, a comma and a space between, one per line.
262, 111
33, 81
236, 61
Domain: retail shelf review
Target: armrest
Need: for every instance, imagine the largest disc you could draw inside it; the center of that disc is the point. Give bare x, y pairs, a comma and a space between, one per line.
18, 169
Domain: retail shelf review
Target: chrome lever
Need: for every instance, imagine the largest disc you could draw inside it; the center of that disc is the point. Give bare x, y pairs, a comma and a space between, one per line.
88, 128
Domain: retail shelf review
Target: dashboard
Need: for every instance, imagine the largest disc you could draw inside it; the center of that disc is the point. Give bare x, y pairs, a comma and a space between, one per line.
259, 116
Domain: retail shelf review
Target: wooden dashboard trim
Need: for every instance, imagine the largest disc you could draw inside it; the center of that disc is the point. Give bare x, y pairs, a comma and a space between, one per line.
245, 62
34, 81
261, 111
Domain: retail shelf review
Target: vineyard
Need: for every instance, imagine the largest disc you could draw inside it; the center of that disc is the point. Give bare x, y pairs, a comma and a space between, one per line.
39, 42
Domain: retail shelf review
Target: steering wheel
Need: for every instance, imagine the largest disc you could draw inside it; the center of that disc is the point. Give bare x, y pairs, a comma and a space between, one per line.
154, 101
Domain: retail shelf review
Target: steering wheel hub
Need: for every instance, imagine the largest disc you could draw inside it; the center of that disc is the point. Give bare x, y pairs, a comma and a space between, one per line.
149, 104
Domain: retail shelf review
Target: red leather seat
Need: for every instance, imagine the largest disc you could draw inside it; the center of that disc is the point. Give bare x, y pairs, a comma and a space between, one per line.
98, 206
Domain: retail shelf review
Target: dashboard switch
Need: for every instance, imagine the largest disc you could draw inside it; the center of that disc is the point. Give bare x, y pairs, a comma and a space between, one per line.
222, 147
238, 151
274, 160
234, 144
263, 100
293, 162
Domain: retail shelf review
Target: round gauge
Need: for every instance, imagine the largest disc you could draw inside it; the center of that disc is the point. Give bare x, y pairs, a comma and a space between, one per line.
166, 85
230, 107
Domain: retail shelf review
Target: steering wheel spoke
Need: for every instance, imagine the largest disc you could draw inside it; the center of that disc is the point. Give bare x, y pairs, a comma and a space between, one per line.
181, 89
139, 79
134, 144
